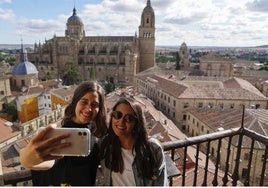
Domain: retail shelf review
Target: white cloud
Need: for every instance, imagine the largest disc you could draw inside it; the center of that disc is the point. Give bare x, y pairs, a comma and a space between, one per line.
196, 22
5, 1
6, 14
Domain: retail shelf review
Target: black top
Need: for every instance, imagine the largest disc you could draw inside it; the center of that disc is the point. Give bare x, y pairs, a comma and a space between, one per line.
69, 170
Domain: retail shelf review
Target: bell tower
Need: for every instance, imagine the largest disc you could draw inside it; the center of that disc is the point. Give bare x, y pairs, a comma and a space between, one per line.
147, 38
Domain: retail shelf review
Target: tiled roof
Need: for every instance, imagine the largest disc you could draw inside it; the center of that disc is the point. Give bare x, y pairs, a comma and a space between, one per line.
7, 132
49, 84
24, 68
169, 86
200, 178
64, 91
254, 119
190, 88
35, 90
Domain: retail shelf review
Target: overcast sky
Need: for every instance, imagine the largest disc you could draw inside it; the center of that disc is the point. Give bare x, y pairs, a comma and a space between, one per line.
195, 22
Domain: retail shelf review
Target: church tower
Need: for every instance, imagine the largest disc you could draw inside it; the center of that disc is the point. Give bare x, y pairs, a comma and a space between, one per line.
75, 27
184, 56
147, 38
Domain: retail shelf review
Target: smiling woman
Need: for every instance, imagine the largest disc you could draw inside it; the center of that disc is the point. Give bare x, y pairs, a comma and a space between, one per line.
128, 156
85, 111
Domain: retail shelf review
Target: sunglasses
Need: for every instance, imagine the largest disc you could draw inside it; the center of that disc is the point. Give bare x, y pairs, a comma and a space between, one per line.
129, 118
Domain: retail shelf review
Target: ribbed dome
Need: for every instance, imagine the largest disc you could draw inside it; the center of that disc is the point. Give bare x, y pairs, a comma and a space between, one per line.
24, 67
74, 19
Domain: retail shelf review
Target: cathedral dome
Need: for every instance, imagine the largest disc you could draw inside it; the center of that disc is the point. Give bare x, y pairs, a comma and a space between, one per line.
74, 19
24, 67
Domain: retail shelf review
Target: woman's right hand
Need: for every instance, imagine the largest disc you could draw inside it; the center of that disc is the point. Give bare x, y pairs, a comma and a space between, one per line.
39, 149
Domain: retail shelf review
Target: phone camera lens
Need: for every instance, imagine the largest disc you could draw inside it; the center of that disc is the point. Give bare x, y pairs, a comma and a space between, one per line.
79, 133
84, 133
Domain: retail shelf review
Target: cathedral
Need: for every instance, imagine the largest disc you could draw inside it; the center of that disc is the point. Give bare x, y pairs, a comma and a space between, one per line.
118, 58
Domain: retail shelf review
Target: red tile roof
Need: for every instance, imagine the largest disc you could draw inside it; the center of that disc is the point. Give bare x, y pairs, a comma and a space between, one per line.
7, 132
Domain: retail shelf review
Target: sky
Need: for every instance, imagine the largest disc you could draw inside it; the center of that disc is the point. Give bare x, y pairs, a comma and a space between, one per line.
195, 22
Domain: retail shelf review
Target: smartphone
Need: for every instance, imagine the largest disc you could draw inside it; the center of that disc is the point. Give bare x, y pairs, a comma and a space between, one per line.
79, 139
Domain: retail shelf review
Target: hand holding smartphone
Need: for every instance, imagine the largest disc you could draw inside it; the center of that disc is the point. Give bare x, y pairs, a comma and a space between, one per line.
79, 139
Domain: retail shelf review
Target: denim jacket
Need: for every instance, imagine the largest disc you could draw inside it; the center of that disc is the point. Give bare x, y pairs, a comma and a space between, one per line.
160, 172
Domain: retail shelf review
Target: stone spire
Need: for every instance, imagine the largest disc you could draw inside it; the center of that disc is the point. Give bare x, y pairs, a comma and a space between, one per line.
148, 3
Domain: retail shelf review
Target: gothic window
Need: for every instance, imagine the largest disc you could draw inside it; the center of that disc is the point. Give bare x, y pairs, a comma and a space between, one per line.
147, 20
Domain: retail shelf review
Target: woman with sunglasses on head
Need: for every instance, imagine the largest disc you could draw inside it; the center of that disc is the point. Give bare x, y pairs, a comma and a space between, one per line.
128, 157
86, 109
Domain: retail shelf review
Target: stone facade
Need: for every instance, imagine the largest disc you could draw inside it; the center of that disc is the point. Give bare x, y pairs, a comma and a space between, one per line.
98, 57
214, 65
4, 90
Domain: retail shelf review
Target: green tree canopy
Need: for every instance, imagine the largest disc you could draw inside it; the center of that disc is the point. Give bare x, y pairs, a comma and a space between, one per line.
11, 110
264, 66
72, 75
109, 85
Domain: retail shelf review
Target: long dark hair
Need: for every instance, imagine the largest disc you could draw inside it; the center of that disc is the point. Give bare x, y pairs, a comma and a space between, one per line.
100, 128
111, 146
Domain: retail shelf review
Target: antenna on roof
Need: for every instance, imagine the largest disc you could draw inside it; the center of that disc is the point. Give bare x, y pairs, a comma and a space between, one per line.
22, 57
21, 41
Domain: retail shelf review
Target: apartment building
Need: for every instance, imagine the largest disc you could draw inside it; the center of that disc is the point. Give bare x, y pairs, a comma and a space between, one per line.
39, 101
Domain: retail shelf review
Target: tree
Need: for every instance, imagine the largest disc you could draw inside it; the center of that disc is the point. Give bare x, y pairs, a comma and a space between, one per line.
92, 73
71, 75
11, 110
264, 66
109, 85
178, 59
